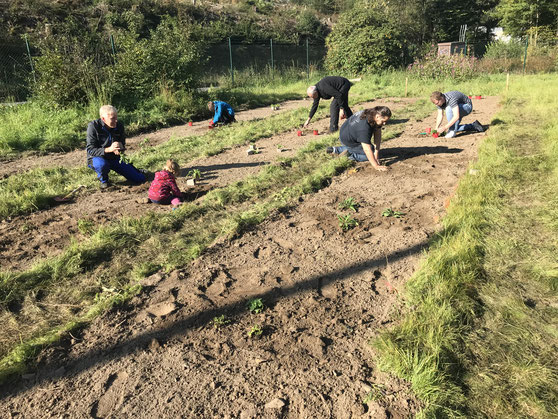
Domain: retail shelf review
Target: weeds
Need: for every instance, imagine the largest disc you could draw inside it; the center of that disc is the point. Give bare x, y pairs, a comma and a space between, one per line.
195, 174
220, 321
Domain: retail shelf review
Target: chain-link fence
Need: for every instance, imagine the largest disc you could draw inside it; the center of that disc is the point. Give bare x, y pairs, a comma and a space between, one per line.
16, 72
224, 61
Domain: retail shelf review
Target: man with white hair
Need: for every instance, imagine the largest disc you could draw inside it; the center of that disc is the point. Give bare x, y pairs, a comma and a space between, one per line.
331, 87
105, 143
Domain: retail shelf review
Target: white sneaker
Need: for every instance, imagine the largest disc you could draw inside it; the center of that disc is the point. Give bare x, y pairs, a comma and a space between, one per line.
450, 134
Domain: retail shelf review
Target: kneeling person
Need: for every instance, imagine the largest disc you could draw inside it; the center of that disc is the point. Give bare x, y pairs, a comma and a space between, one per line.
456, 105
223, 112
356, 136
105, 142
163, 189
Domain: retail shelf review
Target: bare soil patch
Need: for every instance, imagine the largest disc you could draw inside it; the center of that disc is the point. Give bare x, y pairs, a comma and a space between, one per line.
327, 293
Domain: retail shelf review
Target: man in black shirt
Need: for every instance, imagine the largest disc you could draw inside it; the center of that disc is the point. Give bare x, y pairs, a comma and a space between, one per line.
105, 142
331, 87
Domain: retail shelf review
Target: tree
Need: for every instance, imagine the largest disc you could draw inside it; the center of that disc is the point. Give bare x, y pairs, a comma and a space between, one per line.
519, 17
364, 39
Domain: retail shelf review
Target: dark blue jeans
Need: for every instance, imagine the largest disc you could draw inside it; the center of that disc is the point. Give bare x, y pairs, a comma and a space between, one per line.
103, 166
354, 153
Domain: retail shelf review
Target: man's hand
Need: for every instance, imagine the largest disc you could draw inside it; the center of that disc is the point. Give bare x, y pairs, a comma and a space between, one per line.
114, 148
381, 168
306, 123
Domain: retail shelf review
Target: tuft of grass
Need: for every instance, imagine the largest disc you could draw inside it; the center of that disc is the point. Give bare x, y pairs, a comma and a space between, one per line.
349, 203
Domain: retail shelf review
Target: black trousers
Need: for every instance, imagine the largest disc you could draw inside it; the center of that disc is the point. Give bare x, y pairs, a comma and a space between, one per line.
337, 104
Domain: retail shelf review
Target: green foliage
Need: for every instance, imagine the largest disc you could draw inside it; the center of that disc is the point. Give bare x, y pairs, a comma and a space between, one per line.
256, 306
346, 222
364, 39
170, 58
349, 203
388, 212
519, 16
85, 226
513, 48
255, 331
195, 174
220, 321
435, 67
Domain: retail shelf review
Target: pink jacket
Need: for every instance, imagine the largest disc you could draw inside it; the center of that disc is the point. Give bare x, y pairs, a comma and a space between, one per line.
164, 187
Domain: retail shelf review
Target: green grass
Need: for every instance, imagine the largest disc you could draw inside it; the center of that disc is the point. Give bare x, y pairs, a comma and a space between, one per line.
481, 337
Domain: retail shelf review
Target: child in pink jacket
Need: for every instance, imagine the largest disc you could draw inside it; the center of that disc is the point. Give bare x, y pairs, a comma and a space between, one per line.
163, 189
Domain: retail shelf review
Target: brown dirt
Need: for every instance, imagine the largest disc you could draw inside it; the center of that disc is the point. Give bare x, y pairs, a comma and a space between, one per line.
327, 294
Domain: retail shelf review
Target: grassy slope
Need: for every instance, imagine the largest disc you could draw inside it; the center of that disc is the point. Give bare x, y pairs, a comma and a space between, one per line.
481, 338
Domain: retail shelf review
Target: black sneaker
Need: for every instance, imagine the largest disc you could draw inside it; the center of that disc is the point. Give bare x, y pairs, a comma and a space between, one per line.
330, 150
105, 185
478, 126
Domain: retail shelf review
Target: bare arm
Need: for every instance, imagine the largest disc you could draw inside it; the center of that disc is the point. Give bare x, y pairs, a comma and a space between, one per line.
439, 119
454, 119
371, 158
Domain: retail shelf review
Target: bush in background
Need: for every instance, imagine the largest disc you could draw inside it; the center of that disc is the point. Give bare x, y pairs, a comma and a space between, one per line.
364, 40
433, 66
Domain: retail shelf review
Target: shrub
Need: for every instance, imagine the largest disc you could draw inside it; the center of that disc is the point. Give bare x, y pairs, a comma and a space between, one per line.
434, 66
501, 49
365, 39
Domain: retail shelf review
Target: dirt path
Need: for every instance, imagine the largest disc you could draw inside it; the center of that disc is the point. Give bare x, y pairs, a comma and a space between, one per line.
77, 158
327, 293
26, 238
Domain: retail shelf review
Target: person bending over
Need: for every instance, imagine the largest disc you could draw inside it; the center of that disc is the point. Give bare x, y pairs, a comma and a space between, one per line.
331, 87
456, 105
223, 112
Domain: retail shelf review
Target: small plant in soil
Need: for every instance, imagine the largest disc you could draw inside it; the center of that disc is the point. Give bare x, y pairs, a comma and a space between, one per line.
255, 331
279, 146
220, 321
347, 222
349, 203
375, 394
388, 212
194, 174
256, 306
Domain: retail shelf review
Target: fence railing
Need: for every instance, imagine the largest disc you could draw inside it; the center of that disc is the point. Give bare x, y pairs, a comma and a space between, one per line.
223, 60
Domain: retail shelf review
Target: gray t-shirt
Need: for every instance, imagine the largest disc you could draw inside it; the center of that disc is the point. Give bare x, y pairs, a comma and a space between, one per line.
356, 131
455, 98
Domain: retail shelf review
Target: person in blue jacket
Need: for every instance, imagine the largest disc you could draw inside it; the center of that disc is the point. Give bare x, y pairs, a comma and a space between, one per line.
223, 112
105, 143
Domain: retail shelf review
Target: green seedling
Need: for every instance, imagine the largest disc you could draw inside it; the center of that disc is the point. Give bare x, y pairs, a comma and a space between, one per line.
255, 331
376, 393
195, 174
349, 203
346, 222
279, 146
219, 321
124, 158
388, 212
256, 306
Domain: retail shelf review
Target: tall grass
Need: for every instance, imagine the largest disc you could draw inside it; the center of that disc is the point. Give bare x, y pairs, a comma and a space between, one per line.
481, 336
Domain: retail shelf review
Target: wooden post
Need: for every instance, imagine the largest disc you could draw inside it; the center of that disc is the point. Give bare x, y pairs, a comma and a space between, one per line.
406, 83
507, 82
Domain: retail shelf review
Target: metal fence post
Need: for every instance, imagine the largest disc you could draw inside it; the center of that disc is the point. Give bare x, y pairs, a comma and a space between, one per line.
307, 62
113, 47
230, 56
525, 56
272, 67
30, 59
